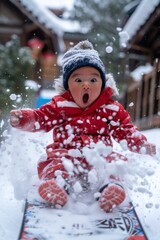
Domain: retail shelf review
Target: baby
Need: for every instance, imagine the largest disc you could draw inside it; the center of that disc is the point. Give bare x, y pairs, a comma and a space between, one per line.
82, 113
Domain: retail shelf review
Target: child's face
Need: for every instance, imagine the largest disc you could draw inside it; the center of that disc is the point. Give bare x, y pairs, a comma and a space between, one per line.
85, 85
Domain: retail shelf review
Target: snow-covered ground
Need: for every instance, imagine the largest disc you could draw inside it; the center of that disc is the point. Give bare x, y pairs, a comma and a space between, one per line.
18, 160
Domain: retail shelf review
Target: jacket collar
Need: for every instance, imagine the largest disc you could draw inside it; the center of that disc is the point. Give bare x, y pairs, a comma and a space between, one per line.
103, 99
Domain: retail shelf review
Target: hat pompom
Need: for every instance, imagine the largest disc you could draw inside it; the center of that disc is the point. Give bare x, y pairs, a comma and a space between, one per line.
84, 45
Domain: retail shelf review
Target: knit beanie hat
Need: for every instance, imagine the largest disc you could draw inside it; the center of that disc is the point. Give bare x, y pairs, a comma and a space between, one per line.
81, 55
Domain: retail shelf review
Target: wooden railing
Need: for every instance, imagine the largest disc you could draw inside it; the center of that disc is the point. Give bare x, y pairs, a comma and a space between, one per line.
142, 100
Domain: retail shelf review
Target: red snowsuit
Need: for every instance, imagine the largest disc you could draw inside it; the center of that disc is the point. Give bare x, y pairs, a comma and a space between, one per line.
74, 128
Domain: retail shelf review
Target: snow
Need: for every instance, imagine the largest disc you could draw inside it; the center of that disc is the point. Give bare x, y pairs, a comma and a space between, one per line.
13, 96
18, 161
124, 37
30, 84
138, 73
109, 49
54, 4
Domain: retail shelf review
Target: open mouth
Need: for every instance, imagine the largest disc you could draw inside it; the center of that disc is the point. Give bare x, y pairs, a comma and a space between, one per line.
85, 98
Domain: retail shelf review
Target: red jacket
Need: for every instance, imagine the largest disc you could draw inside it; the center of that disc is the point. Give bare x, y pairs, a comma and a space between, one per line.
74, 127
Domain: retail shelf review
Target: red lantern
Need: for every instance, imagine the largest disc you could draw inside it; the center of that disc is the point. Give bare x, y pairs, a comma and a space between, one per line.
48, 59
36, 45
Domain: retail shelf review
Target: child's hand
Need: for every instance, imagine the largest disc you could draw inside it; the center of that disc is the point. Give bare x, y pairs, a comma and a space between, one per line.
15, 117
149, 149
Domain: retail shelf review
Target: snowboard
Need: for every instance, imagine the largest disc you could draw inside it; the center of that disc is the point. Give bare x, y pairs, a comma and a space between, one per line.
41, 221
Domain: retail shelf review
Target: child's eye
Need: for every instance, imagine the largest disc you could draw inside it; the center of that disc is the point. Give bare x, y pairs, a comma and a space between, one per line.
78, 80
93, 80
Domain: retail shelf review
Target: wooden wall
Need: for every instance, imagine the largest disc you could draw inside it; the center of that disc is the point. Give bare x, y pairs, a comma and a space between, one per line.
142, 99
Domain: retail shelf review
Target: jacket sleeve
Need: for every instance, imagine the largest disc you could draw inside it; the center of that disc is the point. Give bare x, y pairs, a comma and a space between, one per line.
122, 130
41, 119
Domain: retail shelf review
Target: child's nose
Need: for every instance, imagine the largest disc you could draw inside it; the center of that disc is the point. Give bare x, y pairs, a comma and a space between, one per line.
85, 85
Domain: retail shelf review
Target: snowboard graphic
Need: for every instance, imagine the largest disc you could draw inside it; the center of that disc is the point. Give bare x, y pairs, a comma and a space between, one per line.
42, 221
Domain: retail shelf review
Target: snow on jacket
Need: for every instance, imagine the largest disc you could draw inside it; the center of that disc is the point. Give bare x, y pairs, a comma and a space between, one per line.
74, 127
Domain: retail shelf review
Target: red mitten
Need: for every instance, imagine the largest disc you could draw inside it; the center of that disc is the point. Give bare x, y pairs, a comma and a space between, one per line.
15, 117
148, 148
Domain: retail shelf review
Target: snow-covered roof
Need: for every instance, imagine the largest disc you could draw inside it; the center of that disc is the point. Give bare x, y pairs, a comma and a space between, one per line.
139, 17
138, 73
47, 18
54, 4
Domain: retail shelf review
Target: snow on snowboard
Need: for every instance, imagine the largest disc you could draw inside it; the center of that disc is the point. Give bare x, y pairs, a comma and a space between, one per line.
79, 221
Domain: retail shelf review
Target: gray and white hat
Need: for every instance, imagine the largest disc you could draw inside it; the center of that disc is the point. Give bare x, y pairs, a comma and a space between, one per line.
81, 55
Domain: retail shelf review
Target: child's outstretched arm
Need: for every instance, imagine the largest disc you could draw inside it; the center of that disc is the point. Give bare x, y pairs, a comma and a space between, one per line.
33, 120
23, 119
127, 131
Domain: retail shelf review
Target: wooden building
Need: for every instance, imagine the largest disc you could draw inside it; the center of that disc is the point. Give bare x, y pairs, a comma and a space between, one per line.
39, 28
140, 64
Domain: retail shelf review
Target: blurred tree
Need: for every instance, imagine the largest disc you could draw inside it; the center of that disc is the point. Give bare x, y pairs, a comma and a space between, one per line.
101, 21
15, 63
